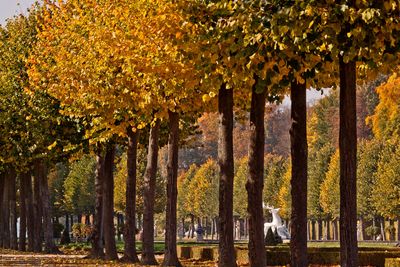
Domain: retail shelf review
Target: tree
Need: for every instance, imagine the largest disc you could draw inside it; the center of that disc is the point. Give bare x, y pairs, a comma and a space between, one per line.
79, 186
386, 190
239, 187
329, 194
275, 169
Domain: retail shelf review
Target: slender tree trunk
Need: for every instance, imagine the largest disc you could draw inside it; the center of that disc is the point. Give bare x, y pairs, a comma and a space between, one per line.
382, 224
97, 250
108, 204
320, 235
299, 155
13, 210
50, 246
183, 226
348, 168
6, 212
362, 224
2, 179
171, 258
255, 181
392, 234
328, 230
191, 233
148, 257
30, 212
313, 230
37, 204
22, 212
130, 254
65, 239
226, 165
398, 229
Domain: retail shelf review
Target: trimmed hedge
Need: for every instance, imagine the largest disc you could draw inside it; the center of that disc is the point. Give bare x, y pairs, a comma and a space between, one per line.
280, 255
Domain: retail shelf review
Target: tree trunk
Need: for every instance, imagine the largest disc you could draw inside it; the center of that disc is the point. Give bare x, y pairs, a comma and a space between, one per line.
392, 234
65, 239
348, 167
255, 181
171, 258
362, 225
226, 165
13, 210
108, 204
97, 237
313, 230
2, 179
6, 212
382, 224
328, 230
398, 229
299, 155
320, 235
50, 246
130, 254
183, 226
37, 204
30, 213
22, 212
149, 185
191, 233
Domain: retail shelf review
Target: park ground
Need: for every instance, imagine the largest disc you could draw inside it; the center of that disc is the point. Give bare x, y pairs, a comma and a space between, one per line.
74, 254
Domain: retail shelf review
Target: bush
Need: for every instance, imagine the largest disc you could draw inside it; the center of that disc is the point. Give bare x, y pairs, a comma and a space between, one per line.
372, 230
272, 238
82, 231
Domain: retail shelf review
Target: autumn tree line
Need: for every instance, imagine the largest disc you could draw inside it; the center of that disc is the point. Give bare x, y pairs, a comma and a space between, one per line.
376, 189
93, 75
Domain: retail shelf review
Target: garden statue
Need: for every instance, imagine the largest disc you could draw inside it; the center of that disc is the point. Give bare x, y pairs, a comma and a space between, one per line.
276, 224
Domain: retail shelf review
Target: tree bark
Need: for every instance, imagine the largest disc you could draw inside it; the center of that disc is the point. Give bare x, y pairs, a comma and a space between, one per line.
22, 211
108, 204
50, 246
30, 212
65, 239
398, 229
97, 250
2, 179
6, 212
299, 156
348, 168
37, 205
13, 210
130, 254
255, 181
191, 233
320, 235
226, 165
171, 258
149, 185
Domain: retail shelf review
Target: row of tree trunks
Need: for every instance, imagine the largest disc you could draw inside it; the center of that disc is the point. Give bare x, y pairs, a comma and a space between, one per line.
148, 257
170, 255
41, 172
255, 182
130, 254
